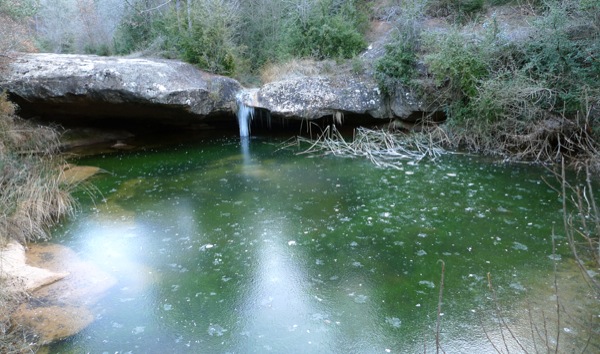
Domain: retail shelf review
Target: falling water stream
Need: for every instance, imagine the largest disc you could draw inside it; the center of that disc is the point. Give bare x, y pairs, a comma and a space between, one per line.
222, 247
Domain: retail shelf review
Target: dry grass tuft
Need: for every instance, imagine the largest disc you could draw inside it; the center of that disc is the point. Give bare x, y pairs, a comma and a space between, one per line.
32, 196
12, 340
295, 68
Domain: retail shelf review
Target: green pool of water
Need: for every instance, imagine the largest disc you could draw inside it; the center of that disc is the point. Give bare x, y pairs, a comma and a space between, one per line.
221, 247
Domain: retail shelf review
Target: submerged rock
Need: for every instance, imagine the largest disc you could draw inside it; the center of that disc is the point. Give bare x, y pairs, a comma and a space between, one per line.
53, 323
89, 88
74, 175
21, 276
61, 309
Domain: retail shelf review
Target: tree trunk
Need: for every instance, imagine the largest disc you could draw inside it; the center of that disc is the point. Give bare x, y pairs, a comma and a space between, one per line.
178, 11
189, 15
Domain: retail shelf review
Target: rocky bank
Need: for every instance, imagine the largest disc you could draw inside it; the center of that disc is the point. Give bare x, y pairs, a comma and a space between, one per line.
114, 91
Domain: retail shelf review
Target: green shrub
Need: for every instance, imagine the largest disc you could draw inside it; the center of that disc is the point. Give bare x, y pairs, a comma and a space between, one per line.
457, 63
397, 66
330, 31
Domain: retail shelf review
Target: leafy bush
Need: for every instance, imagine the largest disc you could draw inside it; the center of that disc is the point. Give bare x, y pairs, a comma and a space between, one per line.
457, 63
535, 99
330, 31
397, 66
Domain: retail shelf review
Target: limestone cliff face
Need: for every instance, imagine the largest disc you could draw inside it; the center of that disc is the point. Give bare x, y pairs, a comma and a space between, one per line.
85, 87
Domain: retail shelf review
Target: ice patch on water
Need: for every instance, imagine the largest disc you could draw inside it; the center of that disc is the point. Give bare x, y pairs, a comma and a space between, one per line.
519, 246
292, 243
138, 330
357, 264
555, 257
216, 330
318, 317
427, 283
206, 247
117, 325
517, 286
361, 299
393, 321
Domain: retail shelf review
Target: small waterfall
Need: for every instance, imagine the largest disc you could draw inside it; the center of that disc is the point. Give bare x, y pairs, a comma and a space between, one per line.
244, 116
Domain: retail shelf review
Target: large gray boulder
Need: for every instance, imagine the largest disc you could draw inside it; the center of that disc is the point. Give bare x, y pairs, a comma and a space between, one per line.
318, 96
89, 88
313, 97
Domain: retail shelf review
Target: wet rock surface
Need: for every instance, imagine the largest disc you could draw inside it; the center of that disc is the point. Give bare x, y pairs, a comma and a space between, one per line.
63, 308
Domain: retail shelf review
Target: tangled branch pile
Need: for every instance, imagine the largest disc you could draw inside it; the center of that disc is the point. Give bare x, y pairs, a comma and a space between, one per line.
381, 147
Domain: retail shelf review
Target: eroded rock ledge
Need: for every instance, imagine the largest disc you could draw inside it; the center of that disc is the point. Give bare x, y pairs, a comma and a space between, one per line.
92, 88
87, 90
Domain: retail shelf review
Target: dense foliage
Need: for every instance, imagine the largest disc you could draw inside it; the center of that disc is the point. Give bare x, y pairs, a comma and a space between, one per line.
537, 97
226, 37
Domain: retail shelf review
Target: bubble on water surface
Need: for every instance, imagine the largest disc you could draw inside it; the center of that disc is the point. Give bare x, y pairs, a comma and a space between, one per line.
216, 330
357, 264
138, 330
519, 246
353, 244
421, 253
292, 243
167, 307
393, 321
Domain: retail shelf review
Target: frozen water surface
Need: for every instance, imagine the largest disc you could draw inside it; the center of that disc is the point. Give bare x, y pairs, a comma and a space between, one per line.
230, 248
